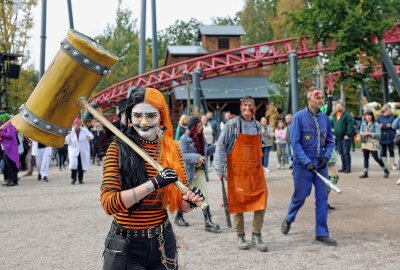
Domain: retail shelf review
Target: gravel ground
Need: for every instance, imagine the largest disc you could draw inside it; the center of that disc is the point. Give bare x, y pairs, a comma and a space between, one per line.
57, 225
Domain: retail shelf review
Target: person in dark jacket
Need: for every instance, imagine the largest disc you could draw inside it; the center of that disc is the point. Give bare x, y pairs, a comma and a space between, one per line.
342, 124
385, 121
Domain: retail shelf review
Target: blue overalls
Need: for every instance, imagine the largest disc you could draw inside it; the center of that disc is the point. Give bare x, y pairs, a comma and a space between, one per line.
312, 139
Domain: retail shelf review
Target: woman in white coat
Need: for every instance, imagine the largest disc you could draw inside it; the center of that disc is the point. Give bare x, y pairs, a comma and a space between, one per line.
78, 150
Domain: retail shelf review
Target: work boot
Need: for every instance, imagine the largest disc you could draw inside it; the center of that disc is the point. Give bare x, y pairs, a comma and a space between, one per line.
385, 173
285, 227
364, 175
326, 240
257, 241
209, 225
242, 244
180, 221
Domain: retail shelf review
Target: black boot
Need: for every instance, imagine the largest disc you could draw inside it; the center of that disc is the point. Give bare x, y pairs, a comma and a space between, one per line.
180, 221
209, 225
364, 175
385, 172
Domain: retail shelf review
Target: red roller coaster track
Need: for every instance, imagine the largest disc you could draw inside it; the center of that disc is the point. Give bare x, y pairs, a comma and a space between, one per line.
223, 63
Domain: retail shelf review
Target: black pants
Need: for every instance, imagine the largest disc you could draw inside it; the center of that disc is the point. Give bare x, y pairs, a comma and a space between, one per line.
79, 171
10, 169
144, 253
385, 147
374, 155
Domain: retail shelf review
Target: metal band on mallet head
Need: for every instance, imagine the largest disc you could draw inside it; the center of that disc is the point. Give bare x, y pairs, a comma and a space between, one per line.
75, 71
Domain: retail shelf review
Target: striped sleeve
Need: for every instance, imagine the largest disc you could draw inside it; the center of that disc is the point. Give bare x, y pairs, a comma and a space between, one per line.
182, 164
110, 195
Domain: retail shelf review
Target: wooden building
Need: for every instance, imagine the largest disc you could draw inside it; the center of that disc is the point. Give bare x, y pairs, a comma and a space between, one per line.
220, 94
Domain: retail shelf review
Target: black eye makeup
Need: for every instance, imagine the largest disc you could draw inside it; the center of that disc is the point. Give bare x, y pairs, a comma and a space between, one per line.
151, 115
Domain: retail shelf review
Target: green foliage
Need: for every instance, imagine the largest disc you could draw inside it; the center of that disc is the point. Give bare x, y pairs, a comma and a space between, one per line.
16, 21
227, 20
255, 19
352, 25
19, 90
123, 40
180, 33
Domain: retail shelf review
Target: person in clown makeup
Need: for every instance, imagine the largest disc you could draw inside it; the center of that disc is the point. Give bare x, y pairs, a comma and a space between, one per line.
137, 195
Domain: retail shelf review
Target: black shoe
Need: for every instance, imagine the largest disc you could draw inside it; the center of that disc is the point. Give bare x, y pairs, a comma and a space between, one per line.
180, 221
285, 227
347, 171
11, 184
331, 207
326, 240
342, 170
81, 182
39, 177
45, 179
73, 182
386, 173
364, 175
210, 226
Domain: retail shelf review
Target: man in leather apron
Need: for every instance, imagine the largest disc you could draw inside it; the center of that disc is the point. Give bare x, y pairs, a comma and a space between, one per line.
238, 159
312, 142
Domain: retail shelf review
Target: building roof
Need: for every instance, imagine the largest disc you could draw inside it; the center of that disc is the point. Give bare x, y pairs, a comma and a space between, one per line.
230, 88
186, 50
221, 30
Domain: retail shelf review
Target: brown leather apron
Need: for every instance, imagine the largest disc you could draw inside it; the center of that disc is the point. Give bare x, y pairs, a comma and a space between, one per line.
247, 188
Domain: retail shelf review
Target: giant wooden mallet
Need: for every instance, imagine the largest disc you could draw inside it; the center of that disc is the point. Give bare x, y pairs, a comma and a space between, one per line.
75, 71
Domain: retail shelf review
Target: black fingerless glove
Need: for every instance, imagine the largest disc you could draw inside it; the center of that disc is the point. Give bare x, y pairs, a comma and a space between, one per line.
198, 192
164, 178
310, 167
323, 162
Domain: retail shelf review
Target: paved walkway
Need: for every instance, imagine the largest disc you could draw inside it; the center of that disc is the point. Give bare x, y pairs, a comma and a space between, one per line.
57, 225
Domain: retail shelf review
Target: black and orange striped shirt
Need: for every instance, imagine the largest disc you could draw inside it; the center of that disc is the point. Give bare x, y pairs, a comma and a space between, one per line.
151, 212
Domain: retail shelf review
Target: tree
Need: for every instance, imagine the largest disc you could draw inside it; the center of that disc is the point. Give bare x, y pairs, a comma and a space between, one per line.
227, 20
123, 40
16, 21
353, 26
20, 90
180, 33
280, 24
255, 19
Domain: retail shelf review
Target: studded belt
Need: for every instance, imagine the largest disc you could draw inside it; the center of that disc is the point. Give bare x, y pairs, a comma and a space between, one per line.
133, 233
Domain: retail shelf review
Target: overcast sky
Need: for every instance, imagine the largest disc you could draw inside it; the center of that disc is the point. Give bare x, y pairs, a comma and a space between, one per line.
92, 16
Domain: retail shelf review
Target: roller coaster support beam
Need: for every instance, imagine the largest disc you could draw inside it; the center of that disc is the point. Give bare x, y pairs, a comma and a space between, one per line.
294, 81
390, 69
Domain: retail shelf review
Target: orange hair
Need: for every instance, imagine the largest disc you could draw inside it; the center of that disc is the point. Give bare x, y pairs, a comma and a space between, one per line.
169, 150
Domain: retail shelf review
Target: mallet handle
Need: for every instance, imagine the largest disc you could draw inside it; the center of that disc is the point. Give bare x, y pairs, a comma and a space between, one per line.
328, 183
83, 103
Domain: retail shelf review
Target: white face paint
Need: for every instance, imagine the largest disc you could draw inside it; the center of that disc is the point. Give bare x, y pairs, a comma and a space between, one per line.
145, 120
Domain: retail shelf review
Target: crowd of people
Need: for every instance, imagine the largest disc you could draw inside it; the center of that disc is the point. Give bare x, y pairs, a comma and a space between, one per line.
239, 147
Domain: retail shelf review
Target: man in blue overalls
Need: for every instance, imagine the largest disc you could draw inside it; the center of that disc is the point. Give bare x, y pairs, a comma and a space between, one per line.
312, 143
